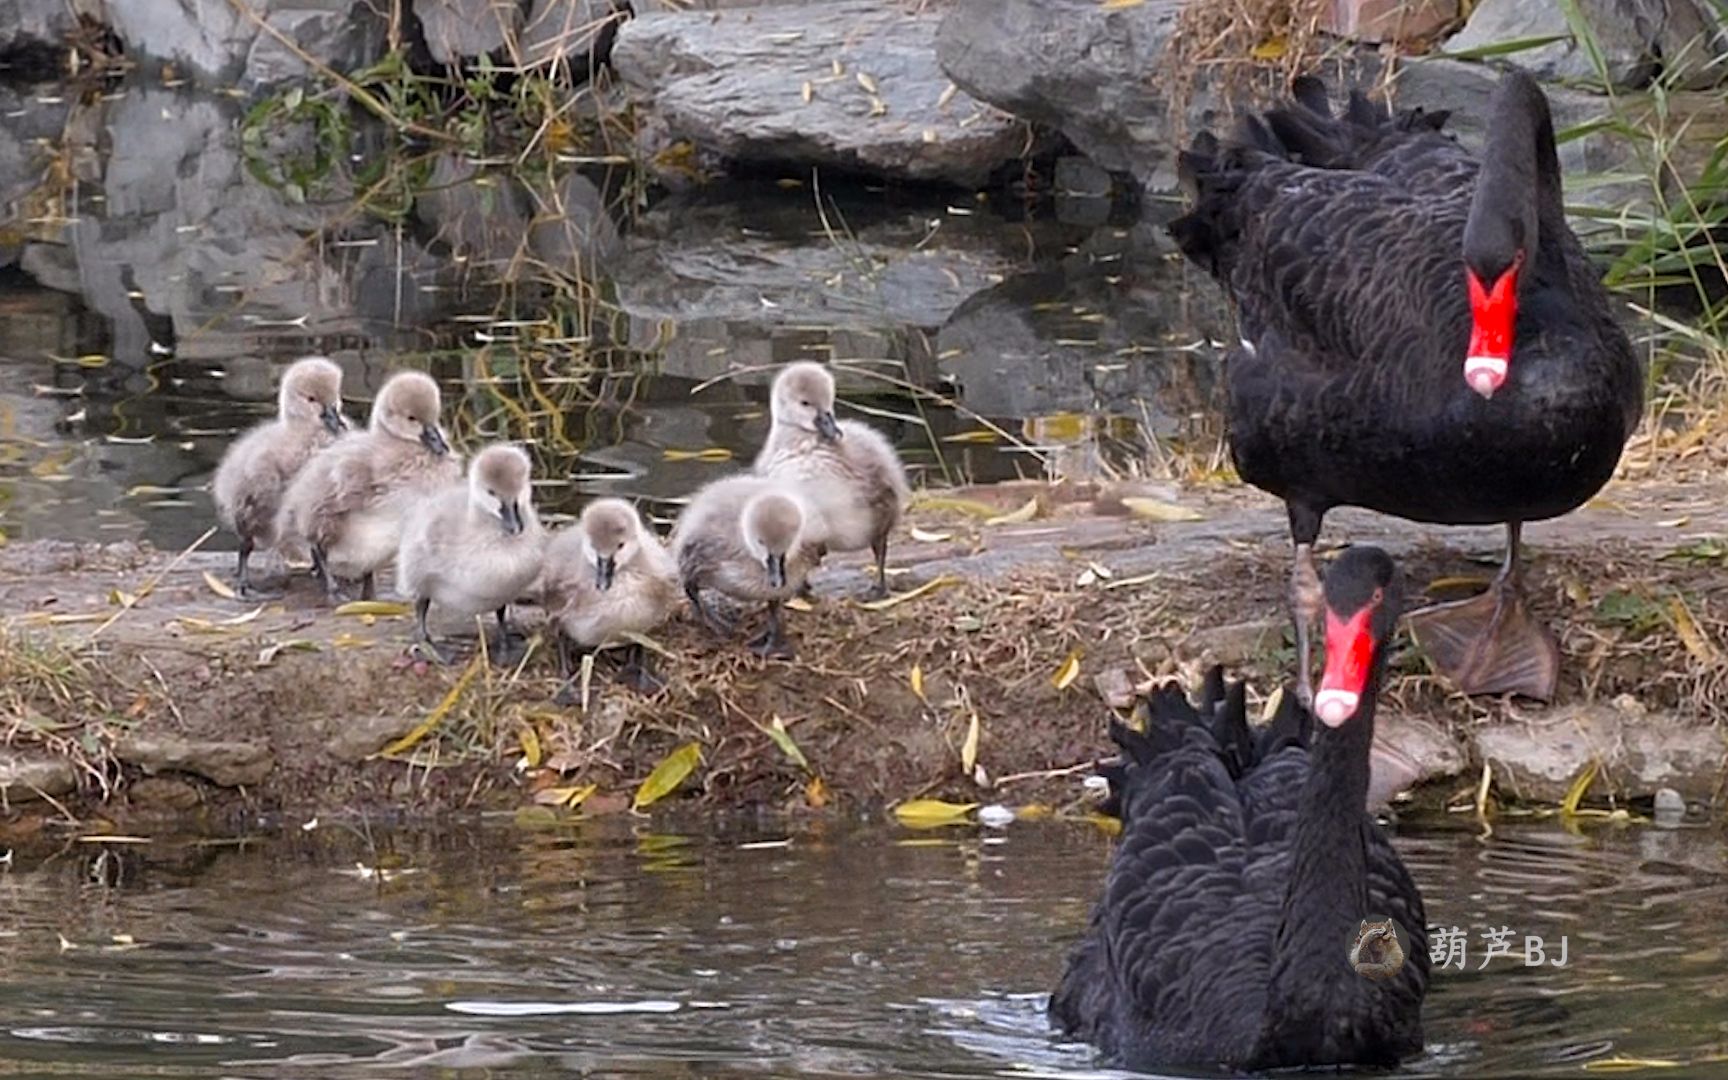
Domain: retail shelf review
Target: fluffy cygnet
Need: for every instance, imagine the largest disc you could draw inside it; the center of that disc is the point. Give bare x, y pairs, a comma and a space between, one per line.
752, 539
473, 547
846, 470
347, 504
608, 575
258, 467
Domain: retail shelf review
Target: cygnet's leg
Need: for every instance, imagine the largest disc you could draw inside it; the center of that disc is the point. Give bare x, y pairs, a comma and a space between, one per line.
505, 653
243, 583
636, 674
705, 614
879, 547
321, 567
772, 643
368, 587
423, 635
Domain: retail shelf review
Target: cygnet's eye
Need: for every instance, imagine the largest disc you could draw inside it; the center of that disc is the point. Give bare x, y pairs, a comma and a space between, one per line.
807, 405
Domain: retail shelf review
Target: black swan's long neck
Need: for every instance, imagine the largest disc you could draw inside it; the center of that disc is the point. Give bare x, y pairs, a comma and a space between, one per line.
1518, 188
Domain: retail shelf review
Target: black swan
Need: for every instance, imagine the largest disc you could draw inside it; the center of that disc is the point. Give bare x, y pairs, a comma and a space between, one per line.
1246, 866
1422, 335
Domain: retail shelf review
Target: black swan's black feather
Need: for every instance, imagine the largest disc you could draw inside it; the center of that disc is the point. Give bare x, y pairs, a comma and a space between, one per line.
1339, 239
1201, 950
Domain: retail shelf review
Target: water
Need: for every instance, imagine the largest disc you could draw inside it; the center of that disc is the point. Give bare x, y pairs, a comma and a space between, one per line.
157, 270
849, 951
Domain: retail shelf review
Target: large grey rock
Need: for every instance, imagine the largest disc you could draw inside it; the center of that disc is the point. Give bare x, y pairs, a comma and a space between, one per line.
26, 23
1640, 40
733, 82
1640, 752
24, 777
461, 30
752, 281
212, 42
1083, 69
355, 740
1074, 65
229, 764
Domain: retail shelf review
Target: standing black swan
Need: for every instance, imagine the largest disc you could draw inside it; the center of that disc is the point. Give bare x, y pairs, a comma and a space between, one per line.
1245, 868
1422, 335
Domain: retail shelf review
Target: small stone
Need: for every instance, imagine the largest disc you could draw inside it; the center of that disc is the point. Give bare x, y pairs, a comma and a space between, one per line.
1670, 803
23, 777
1388, 20
358, 739
228, 764
163, 792
996, 816
1238, 643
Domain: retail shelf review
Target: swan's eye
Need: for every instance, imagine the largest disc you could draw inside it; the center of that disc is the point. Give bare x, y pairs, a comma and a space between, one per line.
1379, 595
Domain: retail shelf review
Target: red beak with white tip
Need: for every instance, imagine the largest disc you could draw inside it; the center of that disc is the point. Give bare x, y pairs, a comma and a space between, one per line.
1493, 314
1349, 656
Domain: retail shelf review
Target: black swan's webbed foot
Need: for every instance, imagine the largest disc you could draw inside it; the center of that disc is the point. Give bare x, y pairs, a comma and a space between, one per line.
1491, 644
771, 643
1306, 601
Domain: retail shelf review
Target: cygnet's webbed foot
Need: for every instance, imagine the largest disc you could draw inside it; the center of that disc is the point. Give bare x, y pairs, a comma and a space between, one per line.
771, 644
807, 592
427, 649
567, 696
878, 591
1490, 644
506, 649
635, 673
707, 616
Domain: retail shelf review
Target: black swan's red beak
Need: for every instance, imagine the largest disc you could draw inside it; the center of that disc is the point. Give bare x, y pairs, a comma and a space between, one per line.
1493, 312
1349, 656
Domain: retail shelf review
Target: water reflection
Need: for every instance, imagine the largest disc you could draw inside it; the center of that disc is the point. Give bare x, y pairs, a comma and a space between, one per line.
845, 952
158, 267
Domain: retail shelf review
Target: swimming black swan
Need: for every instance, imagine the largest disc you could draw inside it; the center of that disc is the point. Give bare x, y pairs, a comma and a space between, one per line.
1245, 868
1422, 335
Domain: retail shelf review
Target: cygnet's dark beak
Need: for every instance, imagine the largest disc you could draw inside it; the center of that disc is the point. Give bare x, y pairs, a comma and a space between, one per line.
433, 439
776, 571
511, 514
605, 569
827, 427
331, 414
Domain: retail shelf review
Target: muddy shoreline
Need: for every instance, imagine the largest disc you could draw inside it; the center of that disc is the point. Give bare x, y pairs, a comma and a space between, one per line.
135, 694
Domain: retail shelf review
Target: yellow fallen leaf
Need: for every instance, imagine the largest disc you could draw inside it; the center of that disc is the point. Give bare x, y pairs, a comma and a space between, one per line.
1621, 1063
121, 598
946, 96
1016, 517
219, 587
969, 507
1580, 784
1273, 701
976, 435
900, 598
1454, 582
667, 775
437, 715
1270, 49
1693, 636
1110, 825
1032, 812
798, 603
530, 740
568, 797
930, 536
867, 83
808, 92
1068, 672
878, 107
374, 607
928, 813
710, 453
816, 793
1157, 510
917, 681
969, 748
1117, 5
776, 729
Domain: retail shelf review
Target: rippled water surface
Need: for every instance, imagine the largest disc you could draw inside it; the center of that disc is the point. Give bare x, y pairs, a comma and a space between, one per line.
743, 951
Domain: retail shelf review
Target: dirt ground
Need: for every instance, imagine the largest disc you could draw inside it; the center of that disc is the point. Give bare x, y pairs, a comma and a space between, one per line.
1033, 627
